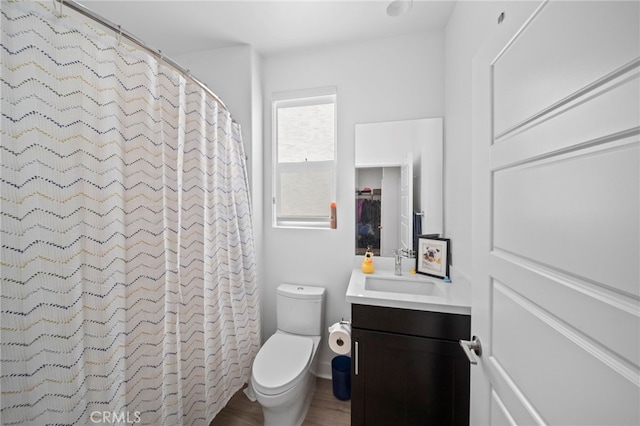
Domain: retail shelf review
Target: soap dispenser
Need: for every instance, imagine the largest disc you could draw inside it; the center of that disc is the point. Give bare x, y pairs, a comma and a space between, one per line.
367, 263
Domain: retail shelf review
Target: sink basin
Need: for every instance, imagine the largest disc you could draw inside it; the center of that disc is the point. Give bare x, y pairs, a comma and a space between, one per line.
399, 285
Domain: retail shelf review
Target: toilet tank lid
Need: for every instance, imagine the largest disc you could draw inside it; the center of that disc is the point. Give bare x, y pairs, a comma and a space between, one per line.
300, 291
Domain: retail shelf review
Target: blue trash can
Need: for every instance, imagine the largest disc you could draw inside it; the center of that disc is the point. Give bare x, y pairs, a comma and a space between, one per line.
341, 377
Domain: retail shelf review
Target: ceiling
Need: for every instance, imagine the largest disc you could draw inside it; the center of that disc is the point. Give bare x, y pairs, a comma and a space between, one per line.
271, 27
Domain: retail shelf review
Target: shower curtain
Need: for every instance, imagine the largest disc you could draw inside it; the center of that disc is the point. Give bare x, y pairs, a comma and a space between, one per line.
129, 291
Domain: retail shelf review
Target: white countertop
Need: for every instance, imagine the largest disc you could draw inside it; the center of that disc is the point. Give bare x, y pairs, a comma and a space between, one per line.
453, 298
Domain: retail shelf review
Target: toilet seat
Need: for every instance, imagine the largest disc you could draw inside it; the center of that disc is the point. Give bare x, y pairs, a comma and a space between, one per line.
281, 363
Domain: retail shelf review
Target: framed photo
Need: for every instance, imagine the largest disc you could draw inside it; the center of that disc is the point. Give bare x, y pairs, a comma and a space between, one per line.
432, 256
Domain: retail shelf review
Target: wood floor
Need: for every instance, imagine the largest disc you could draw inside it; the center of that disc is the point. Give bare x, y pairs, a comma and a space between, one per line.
325, 410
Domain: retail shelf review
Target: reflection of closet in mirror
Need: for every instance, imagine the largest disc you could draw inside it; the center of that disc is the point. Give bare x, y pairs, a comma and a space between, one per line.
368, 215
377, 209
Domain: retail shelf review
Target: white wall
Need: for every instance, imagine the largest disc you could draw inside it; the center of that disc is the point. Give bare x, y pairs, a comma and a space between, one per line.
255, 163
388, 79
469, 26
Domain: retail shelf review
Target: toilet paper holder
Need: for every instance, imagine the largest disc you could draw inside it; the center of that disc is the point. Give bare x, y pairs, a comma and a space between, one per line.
342, 346
341, 322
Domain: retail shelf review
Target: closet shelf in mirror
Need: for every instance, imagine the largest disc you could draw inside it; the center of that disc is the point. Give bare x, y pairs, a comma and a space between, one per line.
369, 193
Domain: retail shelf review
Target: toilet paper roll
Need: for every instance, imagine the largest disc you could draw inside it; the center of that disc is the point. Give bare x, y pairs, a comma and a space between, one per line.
340, 338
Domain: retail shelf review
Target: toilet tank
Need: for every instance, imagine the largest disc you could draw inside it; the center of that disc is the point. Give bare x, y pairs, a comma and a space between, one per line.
300, 309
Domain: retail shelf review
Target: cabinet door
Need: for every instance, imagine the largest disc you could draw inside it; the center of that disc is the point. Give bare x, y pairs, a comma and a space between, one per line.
407, 380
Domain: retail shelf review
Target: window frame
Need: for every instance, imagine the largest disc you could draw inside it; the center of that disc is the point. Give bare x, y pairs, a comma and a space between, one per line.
301, 98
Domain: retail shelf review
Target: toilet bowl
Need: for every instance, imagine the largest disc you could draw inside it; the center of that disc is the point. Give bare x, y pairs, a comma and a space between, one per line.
283, 373
282, 378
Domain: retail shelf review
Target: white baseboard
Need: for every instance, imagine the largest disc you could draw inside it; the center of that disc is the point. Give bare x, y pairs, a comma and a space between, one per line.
323, 370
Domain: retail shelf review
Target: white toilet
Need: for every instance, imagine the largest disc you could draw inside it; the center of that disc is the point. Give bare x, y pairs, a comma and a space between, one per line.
283, 375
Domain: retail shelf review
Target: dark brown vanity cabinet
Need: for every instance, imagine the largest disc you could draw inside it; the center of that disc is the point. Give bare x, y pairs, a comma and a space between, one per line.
408, 368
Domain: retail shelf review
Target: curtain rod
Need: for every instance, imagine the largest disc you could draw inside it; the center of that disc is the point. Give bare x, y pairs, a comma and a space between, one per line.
123, 33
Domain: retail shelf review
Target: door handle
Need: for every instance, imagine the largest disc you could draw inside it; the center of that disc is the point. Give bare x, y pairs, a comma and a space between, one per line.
472, 345
356, 358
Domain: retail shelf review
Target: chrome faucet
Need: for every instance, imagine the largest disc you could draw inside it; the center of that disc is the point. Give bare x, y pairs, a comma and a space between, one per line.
399, 254
398, 262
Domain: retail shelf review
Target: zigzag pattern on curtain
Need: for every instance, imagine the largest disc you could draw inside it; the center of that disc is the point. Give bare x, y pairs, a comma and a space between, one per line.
128, 265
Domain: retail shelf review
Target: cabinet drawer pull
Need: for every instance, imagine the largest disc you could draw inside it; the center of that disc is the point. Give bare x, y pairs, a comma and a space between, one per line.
356, 360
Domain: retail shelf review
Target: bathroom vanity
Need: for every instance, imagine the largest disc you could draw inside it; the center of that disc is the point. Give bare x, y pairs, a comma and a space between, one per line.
407, 364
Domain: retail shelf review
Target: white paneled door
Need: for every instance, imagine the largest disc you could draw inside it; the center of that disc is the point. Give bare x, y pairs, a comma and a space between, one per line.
556, 224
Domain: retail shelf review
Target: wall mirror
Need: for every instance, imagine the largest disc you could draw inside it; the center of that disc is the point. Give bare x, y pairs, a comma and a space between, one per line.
399, 176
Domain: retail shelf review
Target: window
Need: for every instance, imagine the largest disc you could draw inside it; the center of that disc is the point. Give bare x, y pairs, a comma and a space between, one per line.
304, 157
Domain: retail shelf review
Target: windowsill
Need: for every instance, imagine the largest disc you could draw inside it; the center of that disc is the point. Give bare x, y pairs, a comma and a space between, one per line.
325, 228
303, 225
